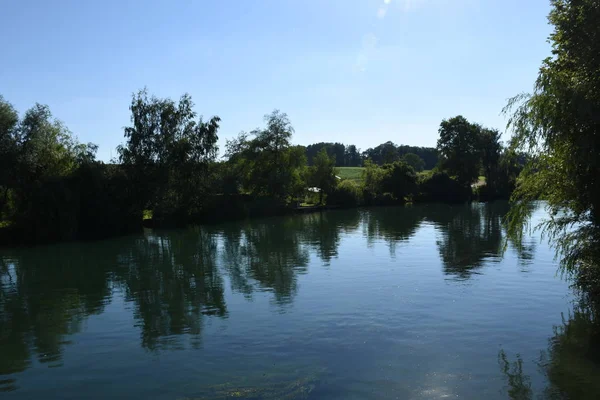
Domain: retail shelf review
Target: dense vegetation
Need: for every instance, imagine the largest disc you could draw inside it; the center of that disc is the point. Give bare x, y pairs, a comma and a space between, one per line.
386, 153
52, 187
558, 126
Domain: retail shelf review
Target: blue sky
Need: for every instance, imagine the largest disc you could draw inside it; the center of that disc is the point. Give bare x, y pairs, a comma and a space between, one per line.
354, 71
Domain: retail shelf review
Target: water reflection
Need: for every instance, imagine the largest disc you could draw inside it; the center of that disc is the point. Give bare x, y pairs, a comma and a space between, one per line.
323, 231
394, 225
172, 280
470, 236
267, 254
175, 280
44, 298
571, 363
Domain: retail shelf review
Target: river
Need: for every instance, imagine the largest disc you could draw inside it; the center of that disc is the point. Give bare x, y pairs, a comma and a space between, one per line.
407, 302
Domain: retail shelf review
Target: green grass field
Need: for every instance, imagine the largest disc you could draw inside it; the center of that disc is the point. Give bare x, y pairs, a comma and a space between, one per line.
351, 173
355, 173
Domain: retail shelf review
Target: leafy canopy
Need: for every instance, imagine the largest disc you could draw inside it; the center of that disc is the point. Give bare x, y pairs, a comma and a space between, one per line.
558, 125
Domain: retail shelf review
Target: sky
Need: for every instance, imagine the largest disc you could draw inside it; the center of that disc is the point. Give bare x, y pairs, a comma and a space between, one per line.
353, 71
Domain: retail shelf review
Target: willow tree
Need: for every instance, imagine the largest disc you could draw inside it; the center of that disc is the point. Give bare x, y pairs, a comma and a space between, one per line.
558, 124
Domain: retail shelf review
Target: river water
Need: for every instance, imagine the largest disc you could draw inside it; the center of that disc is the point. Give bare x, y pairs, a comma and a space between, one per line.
407, 302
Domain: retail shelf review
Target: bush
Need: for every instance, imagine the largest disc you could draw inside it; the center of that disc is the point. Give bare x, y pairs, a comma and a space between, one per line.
91, 203
440, 187
400, 180
106, 202
390, 184
347, 194
47, 212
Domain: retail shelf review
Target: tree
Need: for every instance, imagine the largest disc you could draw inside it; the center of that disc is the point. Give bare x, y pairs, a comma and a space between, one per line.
322, 174
373, 176
40, 160
268, 165
167, 153
385, 153
352, 156
491, 150
428, 154
388, 152
558, 125
337, 150
414, 161
47, 147
8, 151
399, 179
459, 150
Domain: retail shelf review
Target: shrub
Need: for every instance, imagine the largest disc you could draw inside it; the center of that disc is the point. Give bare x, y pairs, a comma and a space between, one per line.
440, 187
347, 194
93, 202
400, 180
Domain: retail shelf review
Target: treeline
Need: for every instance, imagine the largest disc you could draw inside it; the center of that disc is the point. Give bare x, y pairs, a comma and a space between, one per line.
53, 188
386, 153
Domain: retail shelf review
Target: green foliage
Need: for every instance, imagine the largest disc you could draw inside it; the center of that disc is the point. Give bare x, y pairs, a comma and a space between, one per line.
491, 151
167, 153
558, 125
392, 183
352, 156
414, 161
385, 153
8, 153
373, 176
400, 180
39, 157
334, 150
268, 165
458, 147
95, 201
322, 174
346, 194
168, 166
440, 187
389, 152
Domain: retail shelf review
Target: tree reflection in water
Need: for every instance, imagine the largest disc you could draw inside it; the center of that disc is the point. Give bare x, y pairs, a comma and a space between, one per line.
471, 235
175, 279
44, 298
172, 280
571, 363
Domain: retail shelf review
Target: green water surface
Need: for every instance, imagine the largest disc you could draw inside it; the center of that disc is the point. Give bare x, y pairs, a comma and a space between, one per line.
386, 303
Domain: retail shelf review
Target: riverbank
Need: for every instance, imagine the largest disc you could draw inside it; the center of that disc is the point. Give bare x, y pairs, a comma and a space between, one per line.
225, 208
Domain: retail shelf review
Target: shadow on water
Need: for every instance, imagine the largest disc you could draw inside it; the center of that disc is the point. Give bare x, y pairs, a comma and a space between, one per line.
174, 280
